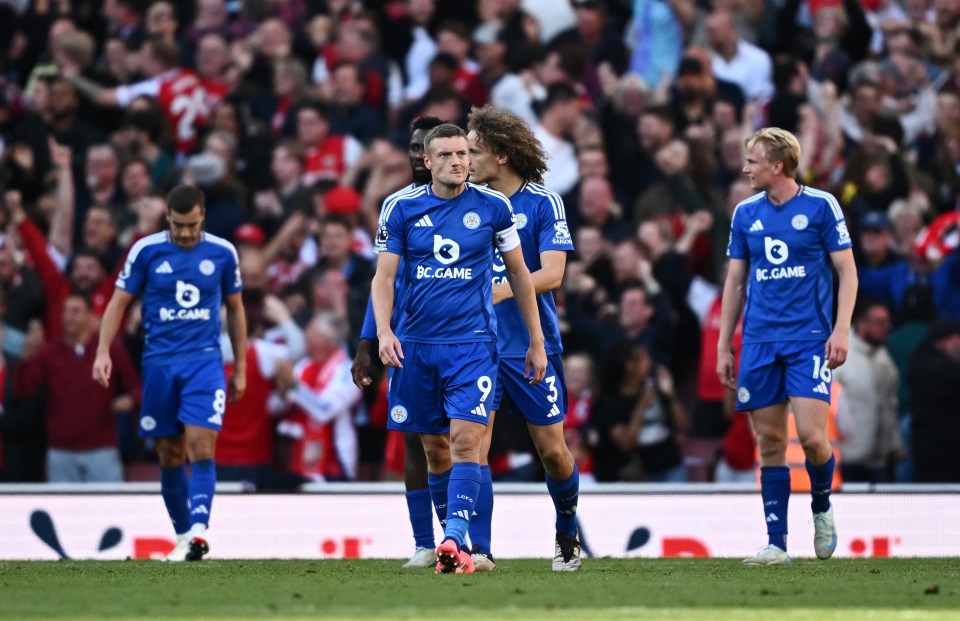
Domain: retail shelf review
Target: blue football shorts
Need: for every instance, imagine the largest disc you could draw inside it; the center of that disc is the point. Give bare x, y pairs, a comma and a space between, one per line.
539, 404
773, 371
178, 394
439, 382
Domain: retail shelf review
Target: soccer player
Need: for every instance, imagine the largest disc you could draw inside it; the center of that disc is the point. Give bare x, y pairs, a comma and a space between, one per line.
782, 243
446, 367
506, 156
182, 275
419, 508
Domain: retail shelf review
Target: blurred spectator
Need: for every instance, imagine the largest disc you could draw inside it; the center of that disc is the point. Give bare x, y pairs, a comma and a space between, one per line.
507, 89
326, 156
125, 19
349, 113
598, 209
324, 397
179, 91
559, 113
656, 39
883, 273
81, 433
934, 375
637, 418
868, 411
598, 35
738, 61
581, 400
245, 446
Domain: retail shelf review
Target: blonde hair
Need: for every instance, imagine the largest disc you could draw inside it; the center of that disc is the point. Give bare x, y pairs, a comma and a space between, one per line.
778, 145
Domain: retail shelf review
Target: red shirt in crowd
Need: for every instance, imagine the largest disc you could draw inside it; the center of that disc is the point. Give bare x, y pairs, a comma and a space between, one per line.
79, 412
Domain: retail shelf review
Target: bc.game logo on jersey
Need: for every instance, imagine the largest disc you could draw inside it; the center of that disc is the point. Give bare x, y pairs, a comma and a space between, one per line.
777, 252
187, 297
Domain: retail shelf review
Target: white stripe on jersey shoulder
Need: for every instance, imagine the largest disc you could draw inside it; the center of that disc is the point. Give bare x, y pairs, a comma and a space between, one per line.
388, 207
144, 242
746, 201
488, 190
219, 241
559, 211
830, 198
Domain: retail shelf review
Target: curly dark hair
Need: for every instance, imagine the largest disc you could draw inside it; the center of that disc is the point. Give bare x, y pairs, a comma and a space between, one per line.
505, 133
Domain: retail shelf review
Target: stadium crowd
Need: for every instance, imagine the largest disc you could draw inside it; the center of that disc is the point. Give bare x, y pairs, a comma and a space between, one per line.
294, 118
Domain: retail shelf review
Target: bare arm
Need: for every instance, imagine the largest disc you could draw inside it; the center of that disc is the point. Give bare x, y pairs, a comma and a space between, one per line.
522, 286
237, 328
100, 95
290, 226
547, 278
734, 293
391, 352
839, 341
109, 326
61, 225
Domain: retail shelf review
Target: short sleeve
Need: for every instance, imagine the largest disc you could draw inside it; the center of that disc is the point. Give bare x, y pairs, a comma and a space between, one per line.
833, 228
391, 232
553, 232
737, 245
231, 281
133, 275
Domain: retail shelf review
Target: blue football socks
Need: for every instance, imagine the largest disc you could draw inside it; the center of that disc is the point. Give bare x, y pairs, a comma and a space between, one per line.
481, 524
173, 489
821, 482
462, 497
565, 495
420, 510
438, 484
775, 491
203, 481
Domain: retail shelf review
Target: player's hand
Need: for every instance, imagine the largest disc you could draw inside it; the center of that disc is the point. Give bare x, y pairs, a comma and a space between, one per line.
391, 351
501, 291
835, 352
725, 370
535, 366
237, 386
360, 370
102, 369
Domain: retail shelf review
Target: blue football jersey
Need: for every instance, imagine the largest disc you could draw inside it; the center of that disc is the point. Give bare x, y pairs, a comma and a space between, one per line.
369, 329
542, 225
181, 292
446, 246
790, 277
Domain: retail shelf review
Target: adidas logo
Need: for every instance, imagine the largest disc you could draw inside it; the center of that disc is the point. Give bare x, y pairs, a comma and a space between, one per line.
772, 518
216, 419
164, 268
200, 509
462, 514
424, 221
480, 410
757, 226
554, 410
822, 388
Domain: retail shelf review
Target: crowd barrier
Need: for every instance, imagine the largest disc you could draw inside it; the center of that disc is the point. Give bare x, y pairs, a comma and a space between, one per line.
370, 521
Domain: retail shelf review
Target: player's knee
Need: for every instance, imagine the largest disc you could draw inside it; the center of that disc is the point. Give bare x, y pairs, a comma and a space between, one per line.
437, 456
171, 455
815, 445
771, 447
556, 457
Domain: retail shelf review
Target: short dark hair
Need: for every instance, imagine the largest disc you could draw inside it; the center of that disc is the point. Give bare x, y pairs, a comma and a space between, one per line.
183, 198
84, 297
444, 130
559, 93
167, 52
425, 122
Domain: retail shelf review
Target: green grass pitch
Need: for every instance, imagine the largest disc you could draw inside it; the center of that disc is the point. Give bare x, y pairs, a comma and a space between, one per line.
874, 589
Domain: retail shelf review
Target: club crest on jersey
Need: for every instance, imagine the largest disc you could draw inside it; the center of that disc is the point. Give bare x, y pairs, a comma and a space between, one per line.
743, 395
398, 414
206, 267
799, 222
520, 219
148, 423
471, 220
844, 233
